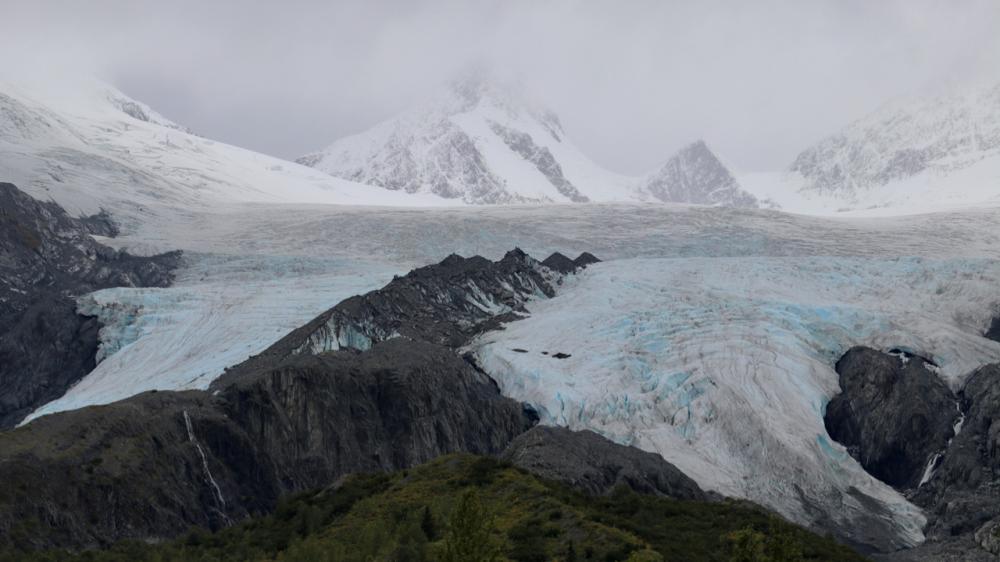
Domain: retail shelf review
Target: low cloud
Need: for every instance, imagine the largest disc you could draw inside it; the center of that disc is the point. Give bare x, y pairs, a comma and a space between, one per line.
632, 81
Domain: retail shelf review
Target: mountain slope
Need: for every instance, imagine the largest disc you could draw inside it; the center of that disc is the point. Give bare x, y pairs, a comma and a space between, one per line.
921, 153
482, 142
467, 505
479, 142
695, 175
88, 146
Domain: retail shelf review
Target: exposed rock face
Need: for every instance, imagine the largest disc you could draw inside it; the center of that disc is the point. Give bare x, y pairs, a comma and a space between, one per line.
46, 260
447, 303
129, 469
988, 537
400, 404
153, 465
906, 428
541, 158
589, 462
893, 414
695, 175
964, 493
993, 333
559, 263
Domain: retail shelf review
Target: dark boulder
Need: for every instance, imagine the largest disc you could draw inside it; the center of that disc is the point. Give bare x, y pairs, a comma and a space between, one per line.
591, 463
893, 414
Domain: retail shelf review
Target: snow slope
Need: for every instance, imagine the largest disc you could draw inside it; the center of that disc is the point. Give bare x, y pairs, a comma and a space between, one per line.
482, 141
912, 155
725, 366
88, 146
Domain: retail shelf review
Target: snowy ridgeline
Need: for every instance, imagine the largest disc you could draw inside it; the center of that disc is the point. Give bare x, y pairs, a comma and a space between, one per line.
724, 366
88, 146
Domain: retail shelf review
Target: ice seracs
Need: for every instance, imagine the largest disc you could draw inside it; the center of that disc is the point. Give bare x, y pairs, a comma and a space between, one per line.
725, 366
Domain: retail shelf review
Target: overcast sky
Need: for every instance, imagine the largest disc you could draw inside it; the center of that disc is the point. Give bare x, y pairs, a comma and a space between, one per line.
631, 80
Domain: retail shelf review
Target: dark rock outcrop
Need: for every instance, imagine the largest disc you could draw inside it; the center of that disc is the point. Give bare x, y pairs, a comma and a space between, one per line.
993, 333
151, 466
47, 259
963, 495
562, 264
593, 464
559, 262
447, 303
399, 404
893, 414
585, 259
541, 158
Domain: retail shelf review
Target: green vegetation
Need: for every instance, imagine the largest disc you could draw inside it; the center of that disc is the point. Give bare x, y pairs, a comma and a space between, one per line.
461, 508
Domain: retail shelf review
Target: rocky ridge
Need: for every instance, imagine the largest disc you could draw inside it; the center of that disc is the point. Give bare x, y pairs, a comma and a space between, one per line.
47, 259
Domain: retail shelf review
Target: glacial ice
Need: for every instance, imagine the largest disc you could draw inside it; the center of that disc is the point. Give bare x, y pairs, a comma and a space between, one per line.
725, 366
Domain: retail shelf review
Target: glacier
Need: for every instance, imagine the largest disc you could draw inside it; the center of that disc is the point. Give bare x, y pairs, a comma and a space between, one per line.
708, 335
724, 366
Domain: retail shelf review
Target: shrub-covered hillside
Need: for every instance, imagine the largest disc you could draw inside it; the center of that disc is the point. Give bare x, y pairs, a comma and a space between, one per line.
467, 508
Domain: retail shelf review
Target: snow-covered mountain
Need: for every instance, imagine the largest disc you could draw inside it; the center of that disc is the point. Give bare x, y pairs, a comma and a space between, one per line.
915, 154
477, 141
483, 141
88, 146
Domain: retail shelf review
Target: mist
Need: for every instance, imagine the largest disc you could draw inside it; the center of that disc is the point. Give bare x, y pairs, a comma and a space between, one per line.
631, 82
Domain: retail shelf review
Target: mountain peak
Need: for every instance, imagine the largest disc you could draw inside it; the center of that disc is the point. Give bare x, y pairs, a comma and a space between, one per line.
483, 141
696, 175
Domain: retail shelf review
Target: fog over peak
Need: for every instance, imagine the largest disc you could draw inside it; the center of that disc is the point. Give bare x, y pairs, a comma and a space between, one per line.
631, 82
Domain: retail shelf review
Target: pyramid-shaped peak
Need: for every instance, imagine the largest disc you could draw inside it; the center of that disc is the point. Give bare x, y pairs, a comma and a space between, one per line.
696, 175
